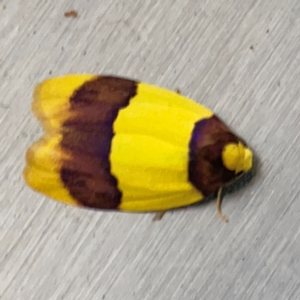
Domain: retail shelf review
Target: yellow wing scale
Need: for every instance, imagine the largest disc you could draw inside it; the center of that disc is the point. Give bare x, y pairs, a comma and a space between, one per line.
151, 147
51, 105
43, 167
52, 99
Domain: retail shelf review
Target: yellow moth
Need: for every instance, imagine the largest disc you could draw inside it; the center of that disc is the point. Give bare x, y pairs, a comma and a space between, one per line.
114, 143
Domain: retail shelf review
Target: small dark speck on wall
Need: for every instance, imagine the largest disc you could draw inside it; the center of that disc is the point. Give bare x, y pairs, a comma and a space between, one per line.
71, 14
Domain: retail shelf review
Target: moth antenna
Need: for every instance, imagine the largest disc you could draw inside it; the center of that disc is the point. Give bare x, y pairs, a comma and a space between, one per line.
219, 209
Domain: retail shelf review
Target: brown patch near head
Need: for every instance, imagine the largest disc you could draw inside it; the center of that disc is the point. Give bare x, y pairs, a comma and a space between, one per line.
206, 170
87, 136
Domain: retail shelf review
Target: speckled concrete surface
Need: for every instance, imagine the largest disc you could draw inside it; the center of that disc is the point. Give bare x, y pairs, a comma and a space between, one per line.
241, 59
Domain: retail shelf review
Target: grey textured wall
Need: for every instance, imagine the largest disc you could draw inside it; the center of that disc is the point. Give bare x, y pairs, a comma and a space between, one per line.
241, 59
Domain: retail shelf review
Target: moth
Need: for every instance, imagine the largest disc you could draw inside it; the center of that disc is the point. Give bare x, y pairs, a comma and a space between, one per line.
112, 143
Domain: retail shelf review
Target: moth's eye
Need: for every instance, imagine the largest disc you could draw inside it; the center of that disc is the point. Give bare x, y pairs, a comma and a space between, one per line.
236, 157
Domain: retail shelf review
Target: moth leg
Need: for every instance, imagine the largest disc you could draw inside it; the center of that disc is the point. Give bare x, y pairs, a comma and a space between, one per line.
218, 204
177, 90
159, 215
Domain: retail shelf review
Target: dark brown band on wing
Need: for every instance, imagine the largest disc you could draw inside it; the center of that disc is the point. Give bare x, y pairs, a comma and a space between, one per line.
87, 137
206, 170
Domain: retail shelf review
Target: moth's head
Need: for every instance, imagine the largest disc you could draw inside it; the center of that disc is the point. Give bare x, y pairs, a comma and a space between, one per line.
237, 157
217, 156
